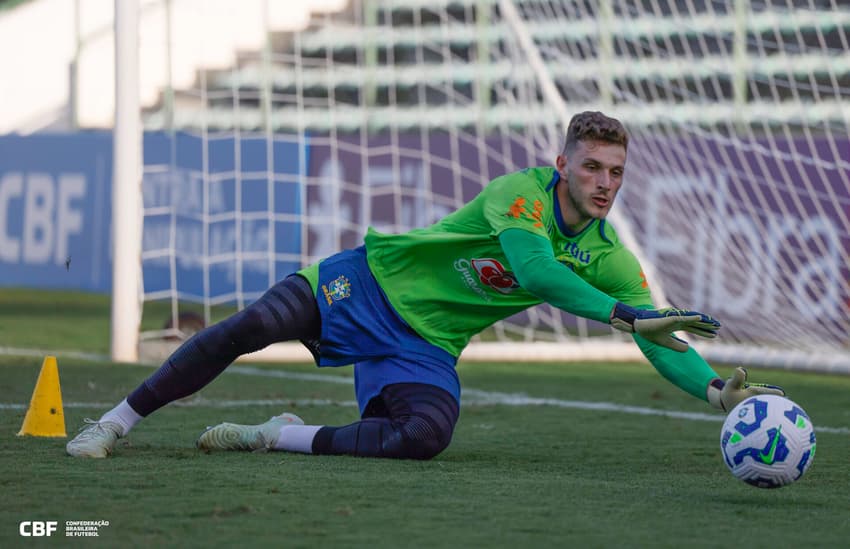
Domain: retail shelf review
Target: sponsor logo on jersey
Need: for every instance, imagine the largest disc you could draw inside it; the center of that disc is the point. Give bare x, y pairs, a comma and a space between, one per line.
577, 253
337, 289
464, 267
492, 273
486, 271
519, 209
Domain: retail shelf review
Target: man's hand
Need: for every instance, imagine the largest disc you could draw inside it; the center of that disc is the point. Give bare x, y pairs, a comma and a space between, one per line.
725, 396
657, 325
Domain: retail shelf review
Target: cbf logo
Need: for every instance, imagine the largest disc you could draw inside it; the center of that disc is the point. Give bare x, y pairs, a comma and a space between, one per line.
337, 289
492, 273
37, 528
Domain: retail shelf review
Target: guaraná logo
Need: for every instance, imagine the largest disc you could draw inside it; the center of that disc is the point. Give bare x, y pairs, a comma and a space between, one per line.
492, 273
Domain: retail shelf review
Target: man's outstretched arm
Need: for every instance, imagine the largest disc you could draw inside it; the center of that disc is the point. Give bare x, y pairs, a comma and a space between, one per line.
691, 373
536, 269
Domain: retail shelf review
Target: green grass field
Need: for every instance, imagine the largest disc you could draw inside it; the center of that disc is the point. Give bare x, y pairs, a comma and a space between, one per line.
519, 473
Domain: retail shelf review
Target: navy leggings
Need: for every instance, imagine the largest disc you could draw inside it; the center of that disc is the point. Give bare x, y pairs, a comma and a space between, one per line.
287, 311
406, 420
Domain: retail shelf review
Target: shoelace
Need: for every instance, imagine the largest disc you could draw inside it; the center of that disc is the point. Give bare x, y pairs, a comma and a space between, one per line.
267, 444
91, 429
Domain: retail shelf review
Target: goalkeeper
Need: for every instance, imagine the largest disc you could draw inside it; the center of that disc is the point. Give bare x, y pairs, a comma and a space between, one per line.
403, 307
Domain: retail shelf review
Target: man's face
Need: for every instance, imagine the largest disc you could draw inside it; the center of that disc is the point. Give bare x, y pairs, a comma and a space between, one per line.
591, 176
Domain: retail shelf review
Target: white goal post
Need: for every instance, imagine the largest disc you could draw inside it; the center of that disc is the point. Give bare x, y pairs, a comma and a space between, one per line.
127, 294
392, 113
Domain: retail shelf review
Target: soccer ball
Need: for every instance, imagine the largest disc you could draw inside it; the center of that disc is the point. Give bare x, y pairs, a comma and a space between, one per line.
767, 441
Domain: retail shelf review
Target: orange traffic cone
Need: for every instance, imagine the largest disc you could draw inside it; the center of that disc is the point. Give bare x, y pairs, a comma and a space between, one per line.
45, 417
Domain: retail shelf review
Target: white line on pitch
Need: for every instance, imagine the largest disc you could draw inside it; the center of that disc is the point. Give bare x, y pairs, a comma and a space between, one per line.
205, 403
476, 397
471, 397
40, 353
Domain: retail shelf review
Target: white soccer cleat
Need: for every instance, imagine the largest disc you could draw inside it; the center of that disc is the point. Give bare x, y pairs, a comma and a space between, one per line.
96, 440
230, 436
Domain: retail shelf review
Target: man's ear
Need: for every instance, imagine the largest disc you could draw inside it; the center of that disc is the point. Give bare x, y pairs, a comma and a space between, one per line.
561, 163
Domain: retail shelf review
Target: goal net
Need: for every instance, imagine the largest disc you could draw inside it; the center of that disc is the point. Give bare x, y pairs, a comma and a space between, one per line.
392, 113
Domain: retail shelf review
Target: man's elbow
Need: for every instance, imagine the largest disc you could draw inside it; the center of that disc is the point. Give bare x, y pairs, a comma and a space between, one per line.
534, 285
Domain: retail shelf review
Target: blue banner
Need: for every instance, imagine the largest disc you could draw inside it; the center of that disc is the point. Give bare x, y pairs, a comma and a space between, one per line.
55, 202
222, 217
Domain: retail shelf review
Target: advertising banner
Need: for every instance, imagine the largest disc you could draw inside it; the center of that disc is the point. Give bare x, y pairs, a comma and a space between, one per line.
221, 217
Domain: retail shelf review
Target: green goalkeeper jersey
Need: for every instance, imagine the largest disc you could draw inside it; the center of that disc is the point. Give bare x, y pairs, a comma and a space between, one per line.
451, 280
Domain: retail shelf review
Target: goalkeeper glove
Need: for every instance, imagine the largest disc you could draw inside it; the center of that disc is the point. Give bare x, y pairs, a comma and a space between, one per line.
657, 325
725, 396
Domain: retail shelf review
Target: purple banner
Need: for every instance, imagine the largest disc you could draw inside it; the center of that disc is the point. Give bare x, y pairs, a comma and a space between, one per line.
398, 182
750, 230
753, 230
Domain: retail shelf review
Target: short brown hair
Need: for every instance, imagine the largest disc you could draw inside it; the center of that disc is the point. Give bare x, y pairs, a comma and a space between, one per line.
593, 125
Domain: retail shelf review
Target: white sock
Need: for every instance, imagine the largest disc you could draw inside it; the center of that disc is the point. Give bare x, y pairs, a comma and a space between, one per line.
297, 438
124, 415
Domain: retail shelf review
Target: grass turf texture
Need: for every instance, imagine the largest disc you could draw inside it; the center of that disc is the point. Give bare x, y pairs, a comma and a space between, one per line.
513, 476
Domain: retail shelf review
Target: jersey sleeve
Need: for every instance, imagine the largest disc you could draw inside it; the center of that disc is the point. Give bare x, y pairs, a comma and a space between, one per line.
688, 371
537, 270
624, 278
517, 201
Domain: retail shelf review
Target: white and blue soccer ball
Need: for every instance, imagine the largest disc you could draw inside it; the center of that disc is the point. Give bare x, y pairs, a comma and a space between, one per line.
768, 441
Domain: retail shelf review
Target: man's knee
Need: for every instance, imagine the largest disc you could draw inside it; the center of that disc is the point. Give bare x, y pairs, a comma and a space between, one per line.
420, 437
411, 438
425, 449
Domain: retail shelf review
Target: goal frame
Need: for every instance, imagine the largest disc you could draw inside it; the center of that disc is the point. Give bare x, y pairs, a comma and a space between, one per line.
127, 293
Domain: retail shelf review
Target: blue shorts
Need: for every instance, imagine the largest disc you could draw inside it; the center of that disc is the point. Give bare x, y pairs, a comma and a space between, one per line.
360, 326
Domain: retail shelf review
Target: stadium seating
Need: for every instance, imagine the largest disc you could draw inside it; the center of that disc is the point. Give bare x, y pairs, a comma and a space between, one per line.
400, 57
